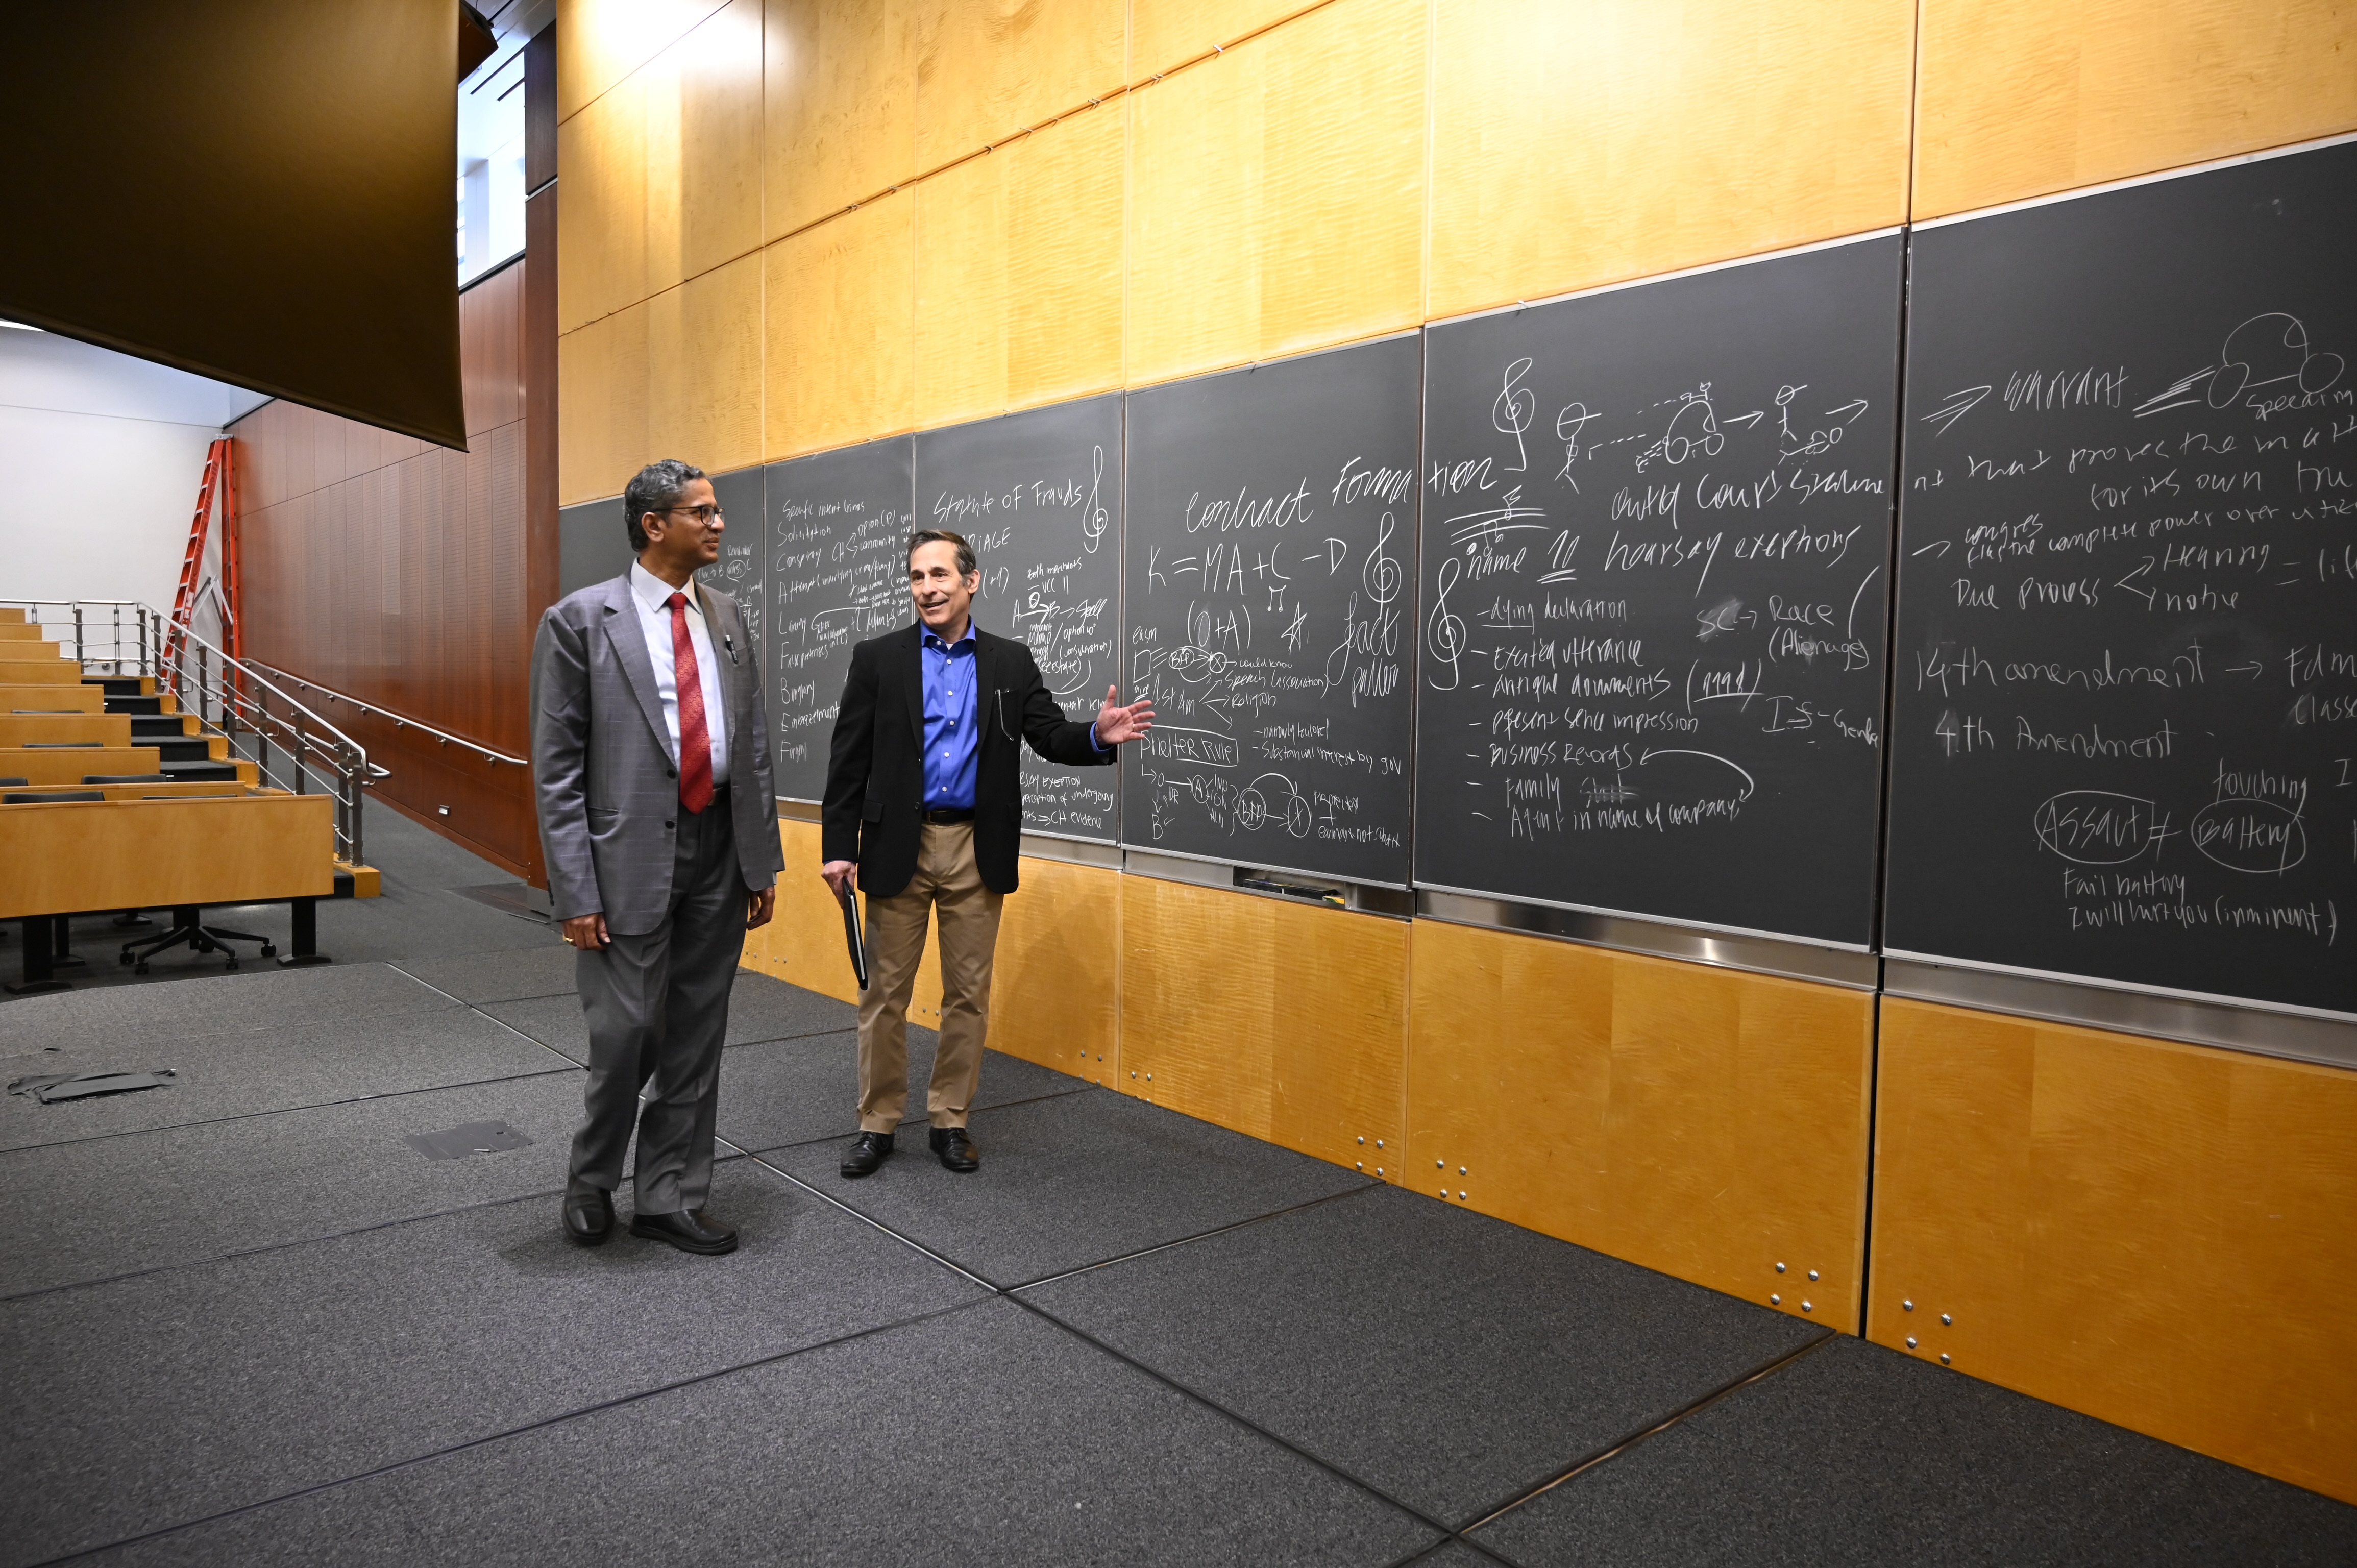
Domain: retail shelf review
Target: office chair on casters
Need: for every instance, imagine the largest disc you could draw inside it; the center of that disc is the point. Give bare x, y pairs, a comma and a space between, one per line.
189, 928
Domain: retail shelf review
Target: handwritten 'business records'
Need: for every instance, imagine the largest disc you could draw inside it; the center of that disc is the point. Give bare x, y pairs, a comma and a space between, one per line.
1656, 543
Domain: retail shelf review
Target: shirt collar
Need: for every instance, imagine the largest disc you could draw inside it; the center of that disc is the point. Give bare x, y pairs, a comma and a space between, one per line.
933, 637
652, 591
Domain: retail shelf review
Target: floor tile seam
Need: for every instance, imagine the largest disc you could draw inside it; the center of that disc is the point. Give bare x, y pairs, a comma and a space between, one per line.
1372, 1185
1425, 1554
289, 1110
479, 1012
541, 1195
243, 1031
1621, 1445
918, 1247
411, 1461
1207, 1402
832, 1138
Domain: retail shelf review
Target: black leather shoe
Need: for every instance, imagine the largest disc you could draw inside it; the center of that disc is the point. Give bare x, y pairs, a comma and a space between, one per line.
956, 1150
588, 1215
690, 1231
867, 1151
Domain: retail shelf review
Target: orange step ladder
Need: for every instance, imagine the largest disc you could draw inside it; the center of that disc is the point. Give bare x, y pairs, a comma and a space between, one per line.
219, 478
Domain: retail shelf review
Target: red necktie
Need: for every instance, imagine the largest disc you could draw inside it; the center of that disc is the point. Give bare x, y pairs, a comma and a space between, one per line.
694, 744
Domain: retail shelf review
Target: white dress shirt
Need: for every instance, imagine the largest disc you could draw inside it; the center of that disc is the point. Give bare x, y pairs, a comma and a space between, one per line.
653, 594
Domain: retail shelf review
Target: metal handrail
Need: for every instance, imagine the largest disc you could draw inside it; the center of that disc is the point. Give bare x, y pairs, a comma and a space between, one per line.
226, 693
399, 721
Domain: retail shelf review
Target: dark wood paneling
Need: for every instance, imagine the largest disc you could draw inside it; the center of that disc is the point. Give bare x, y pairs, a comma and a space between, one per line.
404, 575
539, 109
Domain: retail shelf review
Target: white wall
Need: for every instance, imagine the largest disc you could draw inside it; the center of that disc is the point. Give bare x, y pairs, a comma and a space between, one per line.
103, 455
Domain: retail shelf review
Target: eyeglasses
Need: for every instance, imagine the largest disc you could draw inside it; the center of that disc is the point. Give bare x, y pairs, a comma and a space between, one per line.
705, 515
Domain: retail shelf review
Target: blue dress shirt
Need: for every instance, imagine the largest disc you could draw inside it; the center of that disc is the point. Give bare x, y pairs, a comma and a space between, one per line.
953, 739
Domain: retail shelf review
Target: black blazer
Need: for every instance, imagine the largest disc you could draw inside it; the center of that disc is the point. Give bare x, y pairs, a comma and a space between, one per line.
874, 810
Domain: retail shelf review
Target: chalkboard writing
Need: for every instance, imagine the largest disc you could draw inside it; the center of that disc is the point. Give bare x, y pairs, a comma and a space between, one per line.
2125, 738
1271, 526
838, 575
1656, 541
1040, 495
743, 570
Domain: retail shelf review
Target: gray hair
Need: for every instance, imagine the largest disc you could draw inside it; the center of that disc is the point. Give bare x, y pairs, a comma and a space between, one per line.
656, 487
966, 566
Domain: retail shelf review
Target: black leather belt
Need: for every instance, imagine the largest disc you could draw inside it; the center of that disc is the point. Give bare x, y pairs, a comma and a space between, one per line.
953, 815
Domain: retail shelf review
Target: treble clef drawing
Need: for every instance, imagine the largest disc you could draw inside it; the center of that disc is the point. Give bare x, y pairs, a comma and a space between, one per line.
1444, 633
1381, 573
1092, 516
1512, 413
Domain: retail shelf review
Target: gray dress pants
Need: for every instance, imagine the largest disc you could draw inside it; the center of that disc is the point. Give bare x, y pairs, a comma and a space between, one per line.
658, 1010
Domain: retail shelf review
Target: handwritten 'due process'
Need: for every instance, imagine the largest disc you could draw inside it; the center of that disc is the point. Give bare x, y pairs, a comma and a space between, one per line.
2127, 695
1269, 613
1655, 556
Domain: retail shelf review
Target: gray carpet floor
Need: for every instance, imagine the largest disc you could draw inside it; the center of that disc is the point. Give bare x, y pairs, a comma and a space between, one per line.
243, 1320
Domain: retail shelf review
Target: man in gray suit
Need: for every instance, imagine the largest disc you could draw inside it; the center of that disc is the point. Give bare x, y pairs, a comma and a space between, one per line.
659, 824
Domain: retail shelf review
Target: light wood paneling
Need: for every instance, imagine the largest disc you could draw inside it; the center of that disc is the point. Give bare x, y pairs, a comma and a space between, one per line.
53, 697
1019, 274
703, 148
1054, 987
2155, 1233
839, 105
703, 365
1164, 33
2017, 97
602, 388
45, 770
1277, 194
601, 226
840, 312
1287, 1024
134, 854
802, 944
1702, 1121
600, 42
107, 729
989, 69
1580, 143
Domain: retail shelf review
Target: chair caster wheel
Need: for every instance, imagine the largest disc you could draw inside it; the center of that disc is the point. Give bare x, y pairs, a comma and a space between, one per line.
270, 949
232, 963
138, 968
122, 958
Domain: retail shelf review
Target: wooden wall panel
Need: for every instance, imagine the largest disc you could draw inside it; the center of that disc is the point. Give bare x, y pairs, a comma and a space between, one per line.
838, 105
601, 245
1165, 33
704, 365
602, 385
1581, 143
2153, 1233
400, 574
1219, 1020
1277, 194
2017, 98
703, 148
600, 42
839, 302
1702, 1121
987, 70
1019, 274
1055, 985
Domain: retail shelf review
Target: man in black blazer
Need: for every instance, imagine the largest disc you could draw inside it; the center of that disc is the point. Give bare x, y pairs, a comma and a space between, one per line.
924, 807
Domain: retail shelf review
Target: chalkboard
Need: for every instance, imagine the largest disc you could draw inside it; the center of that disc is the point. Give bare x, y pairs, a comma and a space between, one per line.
1655, 578
838, 528
2125, 739
743, 569
1271, 528
1040, 495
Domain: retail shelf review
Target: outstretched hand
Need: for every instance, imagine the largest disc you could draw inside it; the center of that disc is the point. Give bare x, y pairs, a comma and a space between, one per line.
1116, 723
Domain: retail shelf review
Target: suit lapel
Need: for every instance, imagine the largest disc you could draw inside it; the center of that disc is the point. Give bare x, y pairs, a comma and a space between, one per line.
913, 675
985, 687
630, 647
722, 632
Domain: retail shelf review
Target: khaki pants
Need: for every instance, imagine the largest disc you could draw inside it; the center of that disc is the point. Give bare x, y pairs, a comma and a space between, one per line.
949, 883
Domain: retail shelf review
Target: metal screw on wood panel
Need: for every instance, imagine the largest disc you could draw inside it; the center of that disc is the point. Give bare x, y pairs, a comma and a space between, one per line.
1440, 1165
1911, 1342
1363, 1142
1812, 1273
1460, 1195
1808, 1306
1379, 1142
1361, 1166
1943, 1358
1907, 1305
1945, 1320
1774, 1300
1460, 1170
1779, 1268
1379, 1170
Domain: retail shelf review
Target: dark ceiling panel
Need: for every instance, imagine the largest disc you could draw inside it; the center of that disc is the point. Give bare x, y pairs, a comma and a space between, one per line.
262, 192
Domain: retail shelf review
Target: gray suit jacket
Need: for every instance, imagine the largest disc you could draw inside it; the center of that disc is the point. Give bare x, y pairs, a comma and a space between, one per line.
602, 763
